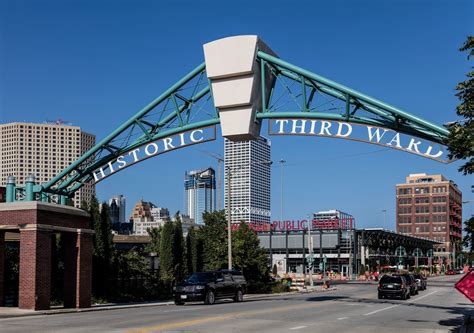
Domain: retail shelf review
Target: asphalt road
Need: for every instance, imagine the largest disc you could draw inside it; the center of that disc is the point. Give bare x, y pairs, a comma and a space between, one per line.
350, 308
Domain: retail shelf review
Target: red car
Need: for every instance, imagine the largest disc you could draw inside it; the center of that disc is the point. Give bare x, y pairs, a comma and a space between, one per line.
451, 272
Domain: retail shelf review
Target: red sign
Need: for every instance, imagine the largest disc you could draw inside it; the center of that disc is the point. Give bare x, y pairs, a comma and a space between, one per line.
300, 225
466, 285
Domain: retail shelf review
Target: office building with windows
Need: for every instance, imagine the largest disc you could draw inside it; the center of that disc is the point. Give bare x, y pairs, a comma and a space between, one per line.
200, 187
42, 150
117, 209
248, 168
430, 206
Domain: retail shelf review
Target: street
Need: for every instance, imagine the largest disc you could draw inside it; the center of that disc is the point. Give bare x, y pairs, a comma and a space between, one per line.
349, 308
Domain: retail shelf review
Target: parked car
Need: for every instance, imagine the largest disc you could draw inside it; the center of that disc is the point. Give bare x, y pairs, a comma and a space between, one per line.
238, 277
420, 281
210, 286
393, 286
410, 279
450, 272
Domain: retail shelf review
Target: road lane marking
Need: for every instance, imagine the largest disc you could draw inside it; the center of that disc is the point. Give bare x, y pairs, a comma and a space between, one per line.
394, 306
418, 298
298, 327
187, 323
379, 310
342, 318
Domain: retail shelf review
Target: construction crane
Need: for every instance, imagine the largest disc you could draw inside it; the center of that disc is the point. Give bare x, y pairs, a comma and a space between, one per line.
219, 159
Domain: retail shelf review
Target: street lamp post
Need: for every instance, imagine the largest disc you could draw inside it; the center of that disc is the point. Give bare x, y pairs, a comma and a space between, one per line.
229, 216
282, 161
229, 213
384, 218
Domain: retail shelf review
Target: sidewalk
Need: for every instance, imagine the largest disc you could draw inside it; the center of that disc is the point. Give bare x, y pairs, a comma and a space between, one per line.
10, 312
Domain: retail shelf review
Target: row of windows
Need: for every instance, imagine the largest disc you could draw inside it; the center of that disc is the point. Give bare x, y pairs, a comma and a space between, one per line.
422, 190
422, 219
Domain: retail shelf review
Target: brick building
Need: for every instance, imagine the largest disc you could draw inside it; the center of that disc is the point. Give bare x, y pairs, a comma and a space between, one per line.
430, 206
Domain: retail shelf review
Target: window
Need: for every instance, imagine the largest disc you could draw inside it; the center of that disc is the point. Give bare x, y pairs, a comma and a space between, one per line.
404, 191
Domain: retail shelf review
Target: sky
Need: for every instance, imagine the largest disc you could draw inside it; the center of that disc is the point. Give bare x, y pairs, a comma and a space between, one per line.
96, 63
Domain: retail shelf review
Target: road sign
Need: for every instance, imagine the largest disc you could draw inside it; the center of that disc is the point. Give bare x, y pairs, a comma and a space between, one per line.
466, 286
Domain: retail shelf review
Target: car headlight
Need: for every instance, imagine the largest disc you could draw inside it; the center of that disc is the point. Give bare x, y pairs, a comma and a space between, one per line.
200, 287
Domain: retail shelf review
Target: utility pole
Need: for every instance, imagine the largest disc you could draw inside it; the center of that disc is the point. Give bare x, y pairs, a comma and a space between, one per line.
282, 161
384, 219
229, 223
310, 243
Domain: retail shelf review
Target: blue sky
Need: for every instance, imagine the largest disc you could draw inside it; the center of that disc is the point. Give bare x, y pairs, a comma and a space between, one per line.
96, 63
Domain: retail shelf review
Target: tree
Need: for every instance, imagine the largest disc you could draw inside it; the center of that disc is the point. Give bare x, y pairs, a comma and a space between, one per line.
461, 138
167, 252
178, 248
107, 240
194, 252
155, 238
103, 250
248, 255
214, 237
468, 240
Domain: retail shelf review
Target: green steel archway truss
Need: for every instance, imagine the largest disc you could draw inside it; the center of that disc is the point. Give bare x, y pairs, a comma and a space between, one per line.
187, 105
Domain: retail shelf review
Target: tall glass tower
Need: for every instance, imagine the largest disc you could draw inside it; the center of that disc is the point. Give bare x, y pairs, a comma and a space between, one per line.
200, 186
249, 180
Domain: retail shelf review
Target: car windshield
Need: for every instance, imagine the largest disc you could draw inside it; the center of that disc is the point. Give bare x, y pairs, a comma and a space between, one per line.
391, 279
201, 277
417, 276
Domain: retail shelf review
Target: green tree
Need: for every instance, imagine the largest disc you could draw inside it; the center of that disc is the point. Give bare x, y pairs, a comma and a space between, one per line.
214, 238
107, 241
103, 250
248, 255
167, 252
461, 138
155, 238
178, 248
193, 251
468, 240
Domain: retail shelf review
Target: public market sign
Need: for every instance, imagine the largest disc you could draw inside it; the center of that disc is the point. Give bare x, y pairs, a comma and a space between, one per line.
160, 146
358, 132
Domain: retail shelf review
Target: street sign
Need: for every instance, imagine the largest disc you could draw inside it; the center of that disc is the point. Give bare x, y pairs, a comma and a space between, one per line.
466, 286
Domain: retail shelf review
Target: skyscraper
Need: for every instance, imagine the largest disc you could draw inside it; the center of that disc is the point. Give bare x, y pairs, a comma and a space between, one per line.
430, 206
200, 189
249, 168
117, 208
42, 150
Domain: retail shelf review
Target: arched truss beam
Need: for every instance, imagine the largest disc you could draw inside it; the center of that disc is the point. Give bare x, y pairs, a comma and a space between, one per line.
188, 105
356, 107
184, 106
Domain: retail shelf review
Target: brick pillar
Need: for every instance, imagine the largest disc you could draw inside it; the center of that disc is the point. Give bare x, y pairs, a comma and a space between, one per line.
35, 269
68, 242
84, 268
2, 268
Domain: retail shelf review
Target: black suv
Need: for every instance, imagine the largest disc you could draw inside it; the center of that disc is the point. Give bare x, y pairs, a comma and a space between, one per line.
209, 286
411, 282
393, 286
420, 281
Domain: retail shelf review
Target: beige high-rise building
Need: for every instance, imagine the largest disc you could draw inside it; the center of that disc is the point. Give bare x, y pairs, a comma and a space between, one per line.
42, 150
